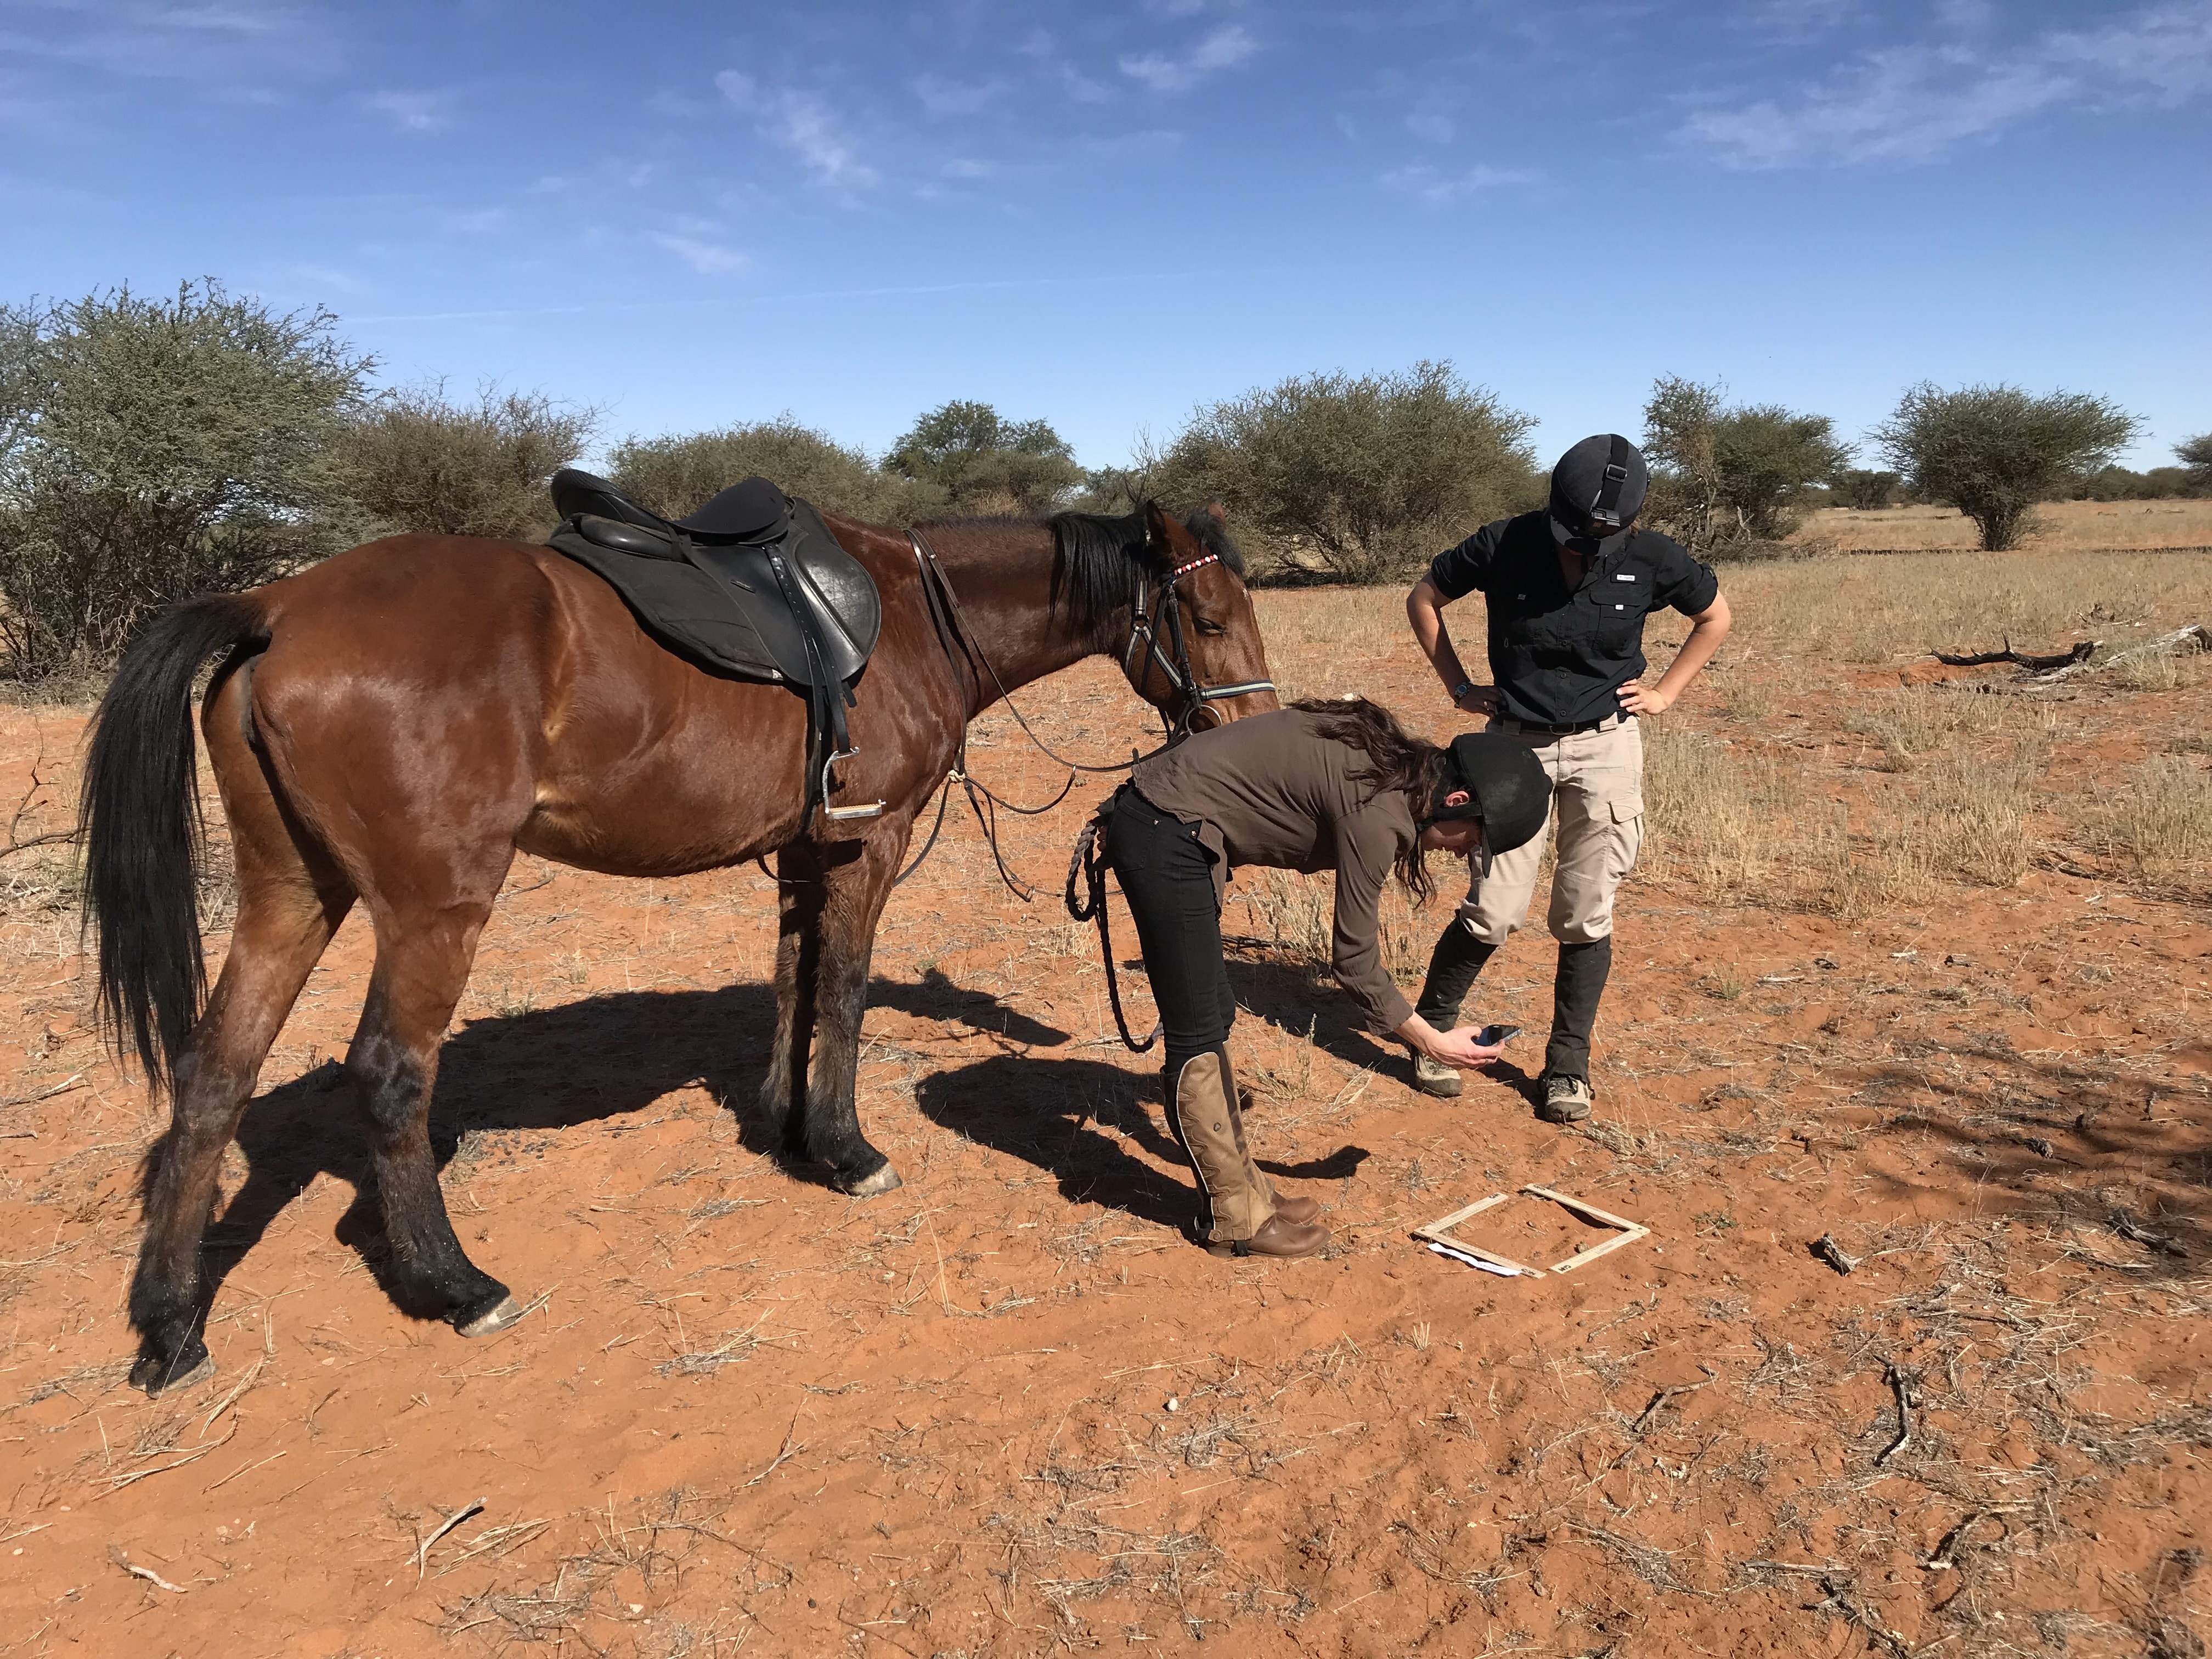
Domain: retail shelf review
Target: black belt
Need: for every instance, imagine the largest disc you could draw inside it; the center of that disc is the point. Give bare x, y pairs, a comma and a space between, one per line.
1569, 730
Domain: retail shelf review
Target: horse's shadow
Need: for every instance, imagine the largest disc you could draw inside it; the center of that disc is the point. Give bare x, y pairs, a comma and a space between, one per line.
599, 1059
606, 1056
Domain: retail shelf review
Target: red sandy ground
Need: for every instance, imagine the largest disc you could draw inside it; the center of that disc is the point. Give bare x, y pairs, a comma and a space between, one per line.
1008, 1410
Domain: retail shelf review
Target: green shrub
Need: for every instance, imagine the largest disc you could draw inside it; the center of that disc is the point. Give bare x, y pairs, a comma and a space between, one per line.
1993, 452
984, 464
672, 475
415, 462
155, 450
1722, 475
1362, 476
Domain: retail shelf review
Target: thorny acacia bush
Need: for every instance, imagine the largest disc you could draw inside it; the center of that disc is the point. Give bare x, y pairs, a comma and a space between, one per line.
1362, 475
415, 462
673, 475
155, 450
1994, 451
1724, 478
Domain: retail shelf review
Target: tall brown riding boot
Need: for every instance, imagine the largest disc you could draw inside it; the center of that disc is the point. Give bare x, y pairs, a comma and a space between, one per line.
1297, 1210
1240, 1217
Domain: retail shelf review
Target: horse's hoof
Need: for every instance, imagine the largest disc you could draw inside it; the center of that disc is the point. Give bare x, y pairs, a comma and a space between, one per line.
875, 1186
497, 1317
160, 1377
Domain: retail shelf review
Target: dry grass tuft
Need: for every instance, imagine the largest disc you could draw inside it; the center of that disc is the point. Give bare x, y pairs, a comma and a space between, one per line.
2163, 821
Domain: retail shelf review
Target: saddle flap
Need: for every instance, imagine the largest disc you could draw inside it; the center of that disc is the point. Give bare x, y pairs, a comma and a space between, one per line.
625, 537
752, 511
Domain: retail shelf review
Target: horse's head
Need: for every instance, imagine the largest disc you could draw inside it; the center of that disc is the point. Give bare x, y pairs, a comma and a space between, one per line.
1194, 650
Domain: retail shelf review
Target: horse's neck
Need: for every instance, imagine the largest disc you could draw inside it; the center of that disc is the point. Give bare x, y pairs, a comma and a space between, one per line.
1003, 576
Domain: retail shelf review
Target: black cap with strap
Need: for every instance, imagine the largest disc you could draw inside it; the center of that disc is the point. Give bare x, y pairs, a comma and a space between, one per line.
1507, 789
1597, 489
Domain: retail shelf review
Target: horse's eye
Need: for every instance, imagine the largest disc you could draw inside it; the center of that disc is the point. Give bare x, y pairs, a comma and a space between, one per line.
1207, 625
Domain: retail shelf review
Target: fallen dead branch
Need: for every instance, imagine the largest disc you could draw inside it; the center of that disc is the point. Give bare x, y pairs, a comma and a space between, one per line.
2195, 637
2080, 652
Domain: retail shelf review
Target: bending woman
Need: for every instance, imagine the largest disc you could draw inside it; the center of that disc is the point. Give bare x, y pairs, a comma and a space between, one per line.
1319, 786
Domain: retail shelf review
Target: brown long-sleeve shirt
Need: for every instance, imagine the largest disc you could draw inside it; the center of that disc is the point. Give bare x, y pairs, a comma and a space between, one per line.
1271, 790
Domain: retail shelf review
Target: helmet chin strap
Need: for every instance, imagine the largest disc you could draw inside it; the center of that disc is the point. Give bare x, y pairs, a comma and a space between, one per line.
1606, 510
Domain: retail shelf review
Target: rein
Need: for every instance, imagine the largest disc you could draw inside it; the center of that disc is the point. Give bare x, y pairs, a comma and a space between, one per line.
1090, 863
958, 640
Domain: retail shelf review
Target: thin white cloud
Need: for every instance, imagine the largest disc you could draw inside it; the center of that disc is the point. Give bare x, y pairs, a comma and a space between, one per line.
1906, 104
802, 123
708, 258
942, 95
329, 277
414, 111
1431, 184
236, 51
1226, 48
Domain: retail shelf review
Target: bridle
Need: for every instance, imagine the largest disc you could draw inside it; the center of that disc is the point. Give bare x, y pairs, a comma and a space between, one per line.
961, 648
1136, 665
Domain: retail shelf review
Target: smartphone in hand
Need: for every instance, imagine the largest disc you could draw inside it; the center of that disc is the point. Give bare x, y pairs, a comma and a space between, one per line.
1491, 1035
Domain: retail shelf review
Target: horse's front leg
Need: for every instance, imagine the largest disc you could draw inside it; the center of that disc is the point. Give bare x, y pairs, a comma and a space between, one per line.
855, 881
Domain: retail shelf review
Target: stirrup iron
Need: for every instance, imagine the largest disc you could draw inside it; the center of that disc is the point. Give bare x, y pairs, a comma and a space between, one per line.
843, 814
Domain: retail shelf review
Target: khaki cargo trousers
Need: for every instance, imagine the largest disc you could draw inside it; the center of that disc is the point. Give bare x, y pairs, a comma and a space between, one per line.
1597, 809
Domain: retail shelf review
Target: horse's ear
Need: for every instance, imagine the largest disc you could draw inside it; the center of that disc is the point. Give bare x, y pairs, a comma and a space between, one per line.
1217, 512
1163, 536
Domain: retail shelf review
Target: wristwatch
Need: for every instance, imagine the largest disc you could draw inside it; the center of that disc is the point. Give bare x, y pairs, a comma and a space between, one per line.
1460, 691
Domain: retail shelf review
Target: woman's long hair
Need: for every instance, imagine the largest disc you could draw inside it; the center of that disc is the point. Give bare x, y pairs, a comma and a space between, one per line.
1396, 759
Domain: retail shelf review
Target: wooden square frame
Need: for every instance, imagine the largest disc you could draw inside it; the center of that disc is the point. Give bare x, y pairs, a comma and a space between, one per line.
1439, 1232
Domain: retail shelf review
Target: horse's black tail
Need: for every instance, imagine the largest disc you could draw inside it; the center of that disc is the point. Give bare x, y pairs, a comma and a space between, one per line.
139, 823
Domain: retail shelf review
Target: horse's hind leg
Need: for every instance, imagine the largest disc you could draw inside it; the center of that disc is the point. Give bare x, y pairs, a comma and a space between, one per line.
290, 901
798, 905
424, 954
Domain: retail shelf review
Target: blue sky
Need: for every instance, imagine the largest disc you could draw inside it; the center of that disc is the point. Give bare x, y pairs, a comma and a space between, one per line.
694, 214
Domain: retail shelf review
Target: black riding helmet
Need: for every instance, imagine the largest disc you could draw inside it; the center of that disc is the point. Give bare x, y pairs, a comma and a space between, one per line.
1597, 489
1506, 786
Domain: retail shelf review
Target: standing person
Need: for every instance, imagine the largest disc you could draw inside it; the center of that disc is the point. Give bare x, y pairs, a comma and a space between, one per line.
1319, 786
1567, 589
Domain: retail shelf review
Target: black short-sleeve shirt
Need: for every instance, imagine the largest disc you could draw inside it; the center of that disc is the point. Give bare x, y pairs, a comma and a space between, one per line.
1557, 656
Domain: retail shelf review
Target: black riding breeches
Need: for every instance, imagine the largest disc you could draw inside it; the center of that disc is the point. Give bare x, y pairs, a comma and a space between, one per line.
1167, 876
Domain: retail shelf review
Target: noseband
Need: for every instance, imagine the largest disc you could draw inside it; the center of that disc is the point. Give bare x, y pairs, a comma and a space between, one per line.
1144, 652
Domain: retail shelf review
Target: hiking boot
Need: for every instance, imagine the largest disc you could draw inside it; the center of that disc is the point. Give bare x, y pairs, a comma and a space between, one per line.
1433, 1077
1278, 1238
1297, 1210
1567, 1099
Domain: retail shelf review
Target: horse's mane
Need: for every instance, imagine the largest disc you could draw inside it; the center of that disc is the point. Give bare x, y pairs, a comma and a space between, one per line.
1102, 556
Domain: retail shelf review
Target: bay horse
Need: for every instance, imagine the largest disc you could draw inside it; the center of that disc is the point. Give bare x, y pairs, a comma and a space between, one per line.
392, 726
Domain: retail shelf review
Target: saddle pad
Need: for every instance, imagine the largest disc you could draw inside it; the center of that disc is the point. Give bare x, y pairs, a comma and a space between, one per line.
723, 608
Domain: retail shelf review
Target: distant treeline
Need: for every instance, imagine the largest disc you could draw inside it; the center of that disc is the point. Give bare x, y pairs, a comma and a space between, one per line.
155, 449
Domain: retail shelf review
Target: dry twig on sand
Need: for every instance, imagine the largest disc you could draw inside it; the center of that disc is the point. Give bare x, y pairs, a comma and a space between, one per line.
422, 1549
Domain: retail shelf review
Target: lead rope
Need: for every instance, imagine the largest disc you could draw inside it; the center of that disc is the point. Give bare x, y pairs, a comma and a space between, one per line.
943, 614
1090, 863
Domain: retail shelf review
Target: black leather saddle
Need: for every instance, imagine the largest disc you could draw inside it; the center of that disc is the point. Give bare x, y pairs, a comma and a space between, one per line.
752, 584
